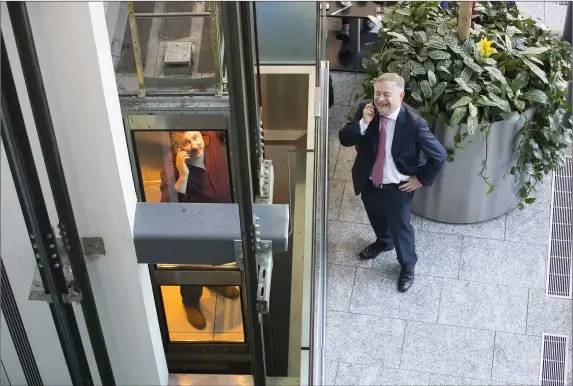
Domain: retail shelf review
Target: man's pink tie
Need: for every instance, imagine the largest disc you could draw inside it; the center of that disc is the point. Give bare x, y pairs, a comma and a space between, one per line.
378, 169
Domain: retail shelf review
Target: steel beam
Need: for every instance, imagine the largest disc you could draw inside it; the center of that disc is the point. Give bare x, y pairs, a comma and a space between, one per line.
239, 139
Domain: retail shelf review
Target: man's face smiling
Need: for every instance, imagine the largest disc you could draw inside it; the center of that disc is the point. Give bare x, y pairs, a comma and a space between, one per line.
191, 141
387, 97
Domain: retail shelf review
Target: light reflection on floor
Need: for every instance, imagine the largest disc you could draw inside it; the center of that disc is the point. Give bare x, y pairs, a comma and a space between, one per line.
223, 316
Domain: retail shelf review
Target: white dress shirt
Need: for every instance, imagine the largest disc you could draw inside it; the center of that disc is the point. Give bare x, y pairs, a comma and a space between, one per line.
391, 174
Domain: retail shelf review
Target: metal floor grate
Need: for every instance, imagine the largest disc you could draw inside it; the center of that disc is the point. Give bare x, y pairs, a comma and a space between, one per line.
561, 247
554, 360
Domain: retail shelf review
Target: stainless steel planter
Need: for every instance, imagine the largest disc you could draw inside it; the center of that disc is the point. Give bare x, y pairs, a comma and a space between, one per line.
459, 194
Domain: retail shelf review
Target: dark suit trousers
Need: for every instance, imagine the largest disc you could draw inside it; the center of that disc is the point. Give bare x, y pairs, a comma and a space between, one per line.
389, 210
191, 294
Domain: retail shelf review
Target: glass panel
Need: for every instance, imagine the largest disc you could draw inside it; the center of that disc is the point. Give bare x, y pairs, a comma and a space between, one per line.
203, 314
277, 20
183, 166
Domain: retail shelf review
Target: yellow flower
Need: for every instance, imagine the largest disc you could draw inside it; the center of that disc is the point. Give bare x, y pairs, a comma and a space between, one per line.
485, 47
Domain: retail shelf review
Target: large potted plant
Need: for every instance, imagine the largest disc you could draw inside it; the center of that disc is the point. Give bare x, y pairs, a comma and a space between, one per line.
495, 100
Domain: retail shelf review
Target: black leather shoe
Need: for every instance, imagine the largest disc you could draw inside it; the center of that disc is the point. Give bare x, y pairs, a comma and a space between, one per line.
373, 250
405, 280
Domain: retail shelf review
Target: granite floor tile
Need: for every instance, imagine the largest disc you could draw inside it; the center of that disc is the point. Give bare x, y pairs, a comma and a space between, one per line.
533, 221
503, 262
517, 359
355, 374
446, 380
363, 339
434, 348
547, 314
346, 240
375, 293
555, 16
543, 190
346, 156
340, 283
438, 255
352, 208
358, 94
335, 193
337, 118
387, 376
484, 306
330, 368
343, 83
534, 10
333, 147
492, 229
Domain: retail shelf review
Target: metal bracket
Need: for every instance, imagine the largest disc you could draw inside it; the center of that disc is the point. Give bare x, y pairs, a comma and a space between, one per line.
266, 183
264, 256
93, 248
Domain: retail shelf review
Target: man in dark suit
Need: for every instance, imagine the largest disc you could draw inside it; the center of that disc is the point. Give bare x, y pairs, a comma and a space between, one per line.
196, 171
388, 168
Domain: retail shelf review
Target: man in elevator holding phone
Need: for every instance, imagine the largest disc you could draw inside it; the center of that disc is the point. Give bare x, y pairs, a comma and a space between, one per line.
196, 171
388, 169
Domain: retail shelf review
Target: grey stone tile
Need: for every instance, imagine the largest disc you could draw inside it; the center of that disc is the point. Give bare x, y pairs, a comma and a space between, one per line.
534, 10
492, 229
446, 380
548, 315
434, 348
543, 190
340, 282
375, 293
346, 156
387, 376
503, 262
335, 192
333, 147
555, 15
343, 83
337, 118
363, 339
533, 221
358, 92
517, 358
481, 305
350, 374
438, 255
330, 368
352, 208
346, 240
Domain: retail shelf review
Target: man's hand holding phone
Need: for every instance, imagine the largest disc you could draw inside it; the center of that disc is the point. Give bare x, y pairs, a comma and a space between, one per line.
180, 163
368, 113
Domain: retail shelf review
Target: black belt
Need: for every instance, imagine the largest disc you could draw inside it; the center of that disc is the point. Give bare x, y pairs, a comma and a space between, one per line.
387, 186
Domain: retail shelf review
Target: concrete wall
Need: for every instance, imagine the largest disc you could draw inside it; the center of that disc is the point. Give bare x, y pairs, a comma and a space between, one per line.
73, 48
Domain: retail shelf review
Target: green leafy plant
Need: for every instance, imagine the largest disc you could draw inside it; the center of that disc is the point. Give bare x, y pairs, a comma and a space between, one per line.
508, 65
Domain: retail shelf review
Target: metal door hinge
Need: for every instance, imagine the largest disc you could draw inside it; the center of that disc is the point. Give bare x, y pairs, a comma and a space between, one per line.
264, 259
93, 248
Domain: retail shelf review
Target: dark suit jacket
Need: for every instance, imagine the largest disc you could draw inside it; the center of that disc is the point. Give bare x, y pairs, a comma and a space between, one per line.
209, 185
411, 135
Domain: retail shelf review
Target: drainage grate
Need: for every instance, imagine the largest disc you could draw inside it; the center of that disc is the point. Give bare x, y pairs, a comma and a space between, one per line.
561, 246
554, 360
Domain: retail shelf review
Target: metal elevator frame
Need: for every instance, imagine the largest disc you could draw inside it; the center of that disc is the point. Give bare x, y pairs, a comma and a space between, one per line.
42, 234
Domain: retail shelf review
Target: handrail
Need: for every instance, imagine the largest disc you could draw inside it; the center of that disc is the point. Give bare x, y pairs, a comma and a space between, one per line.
320, 197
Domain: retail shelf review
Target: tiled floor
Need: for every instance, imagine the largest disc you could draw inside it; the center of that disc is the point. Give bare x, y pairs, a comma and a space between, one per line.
477, 310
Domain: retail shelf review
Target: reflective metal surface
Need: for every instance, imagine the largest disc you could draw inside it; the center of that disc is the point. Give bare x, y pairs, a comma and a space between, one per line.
459, 193
199, 122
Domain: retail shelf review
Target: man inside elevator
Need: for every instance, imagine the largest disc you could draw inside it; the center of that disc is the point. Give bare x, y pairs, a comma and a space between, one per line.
196, 171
